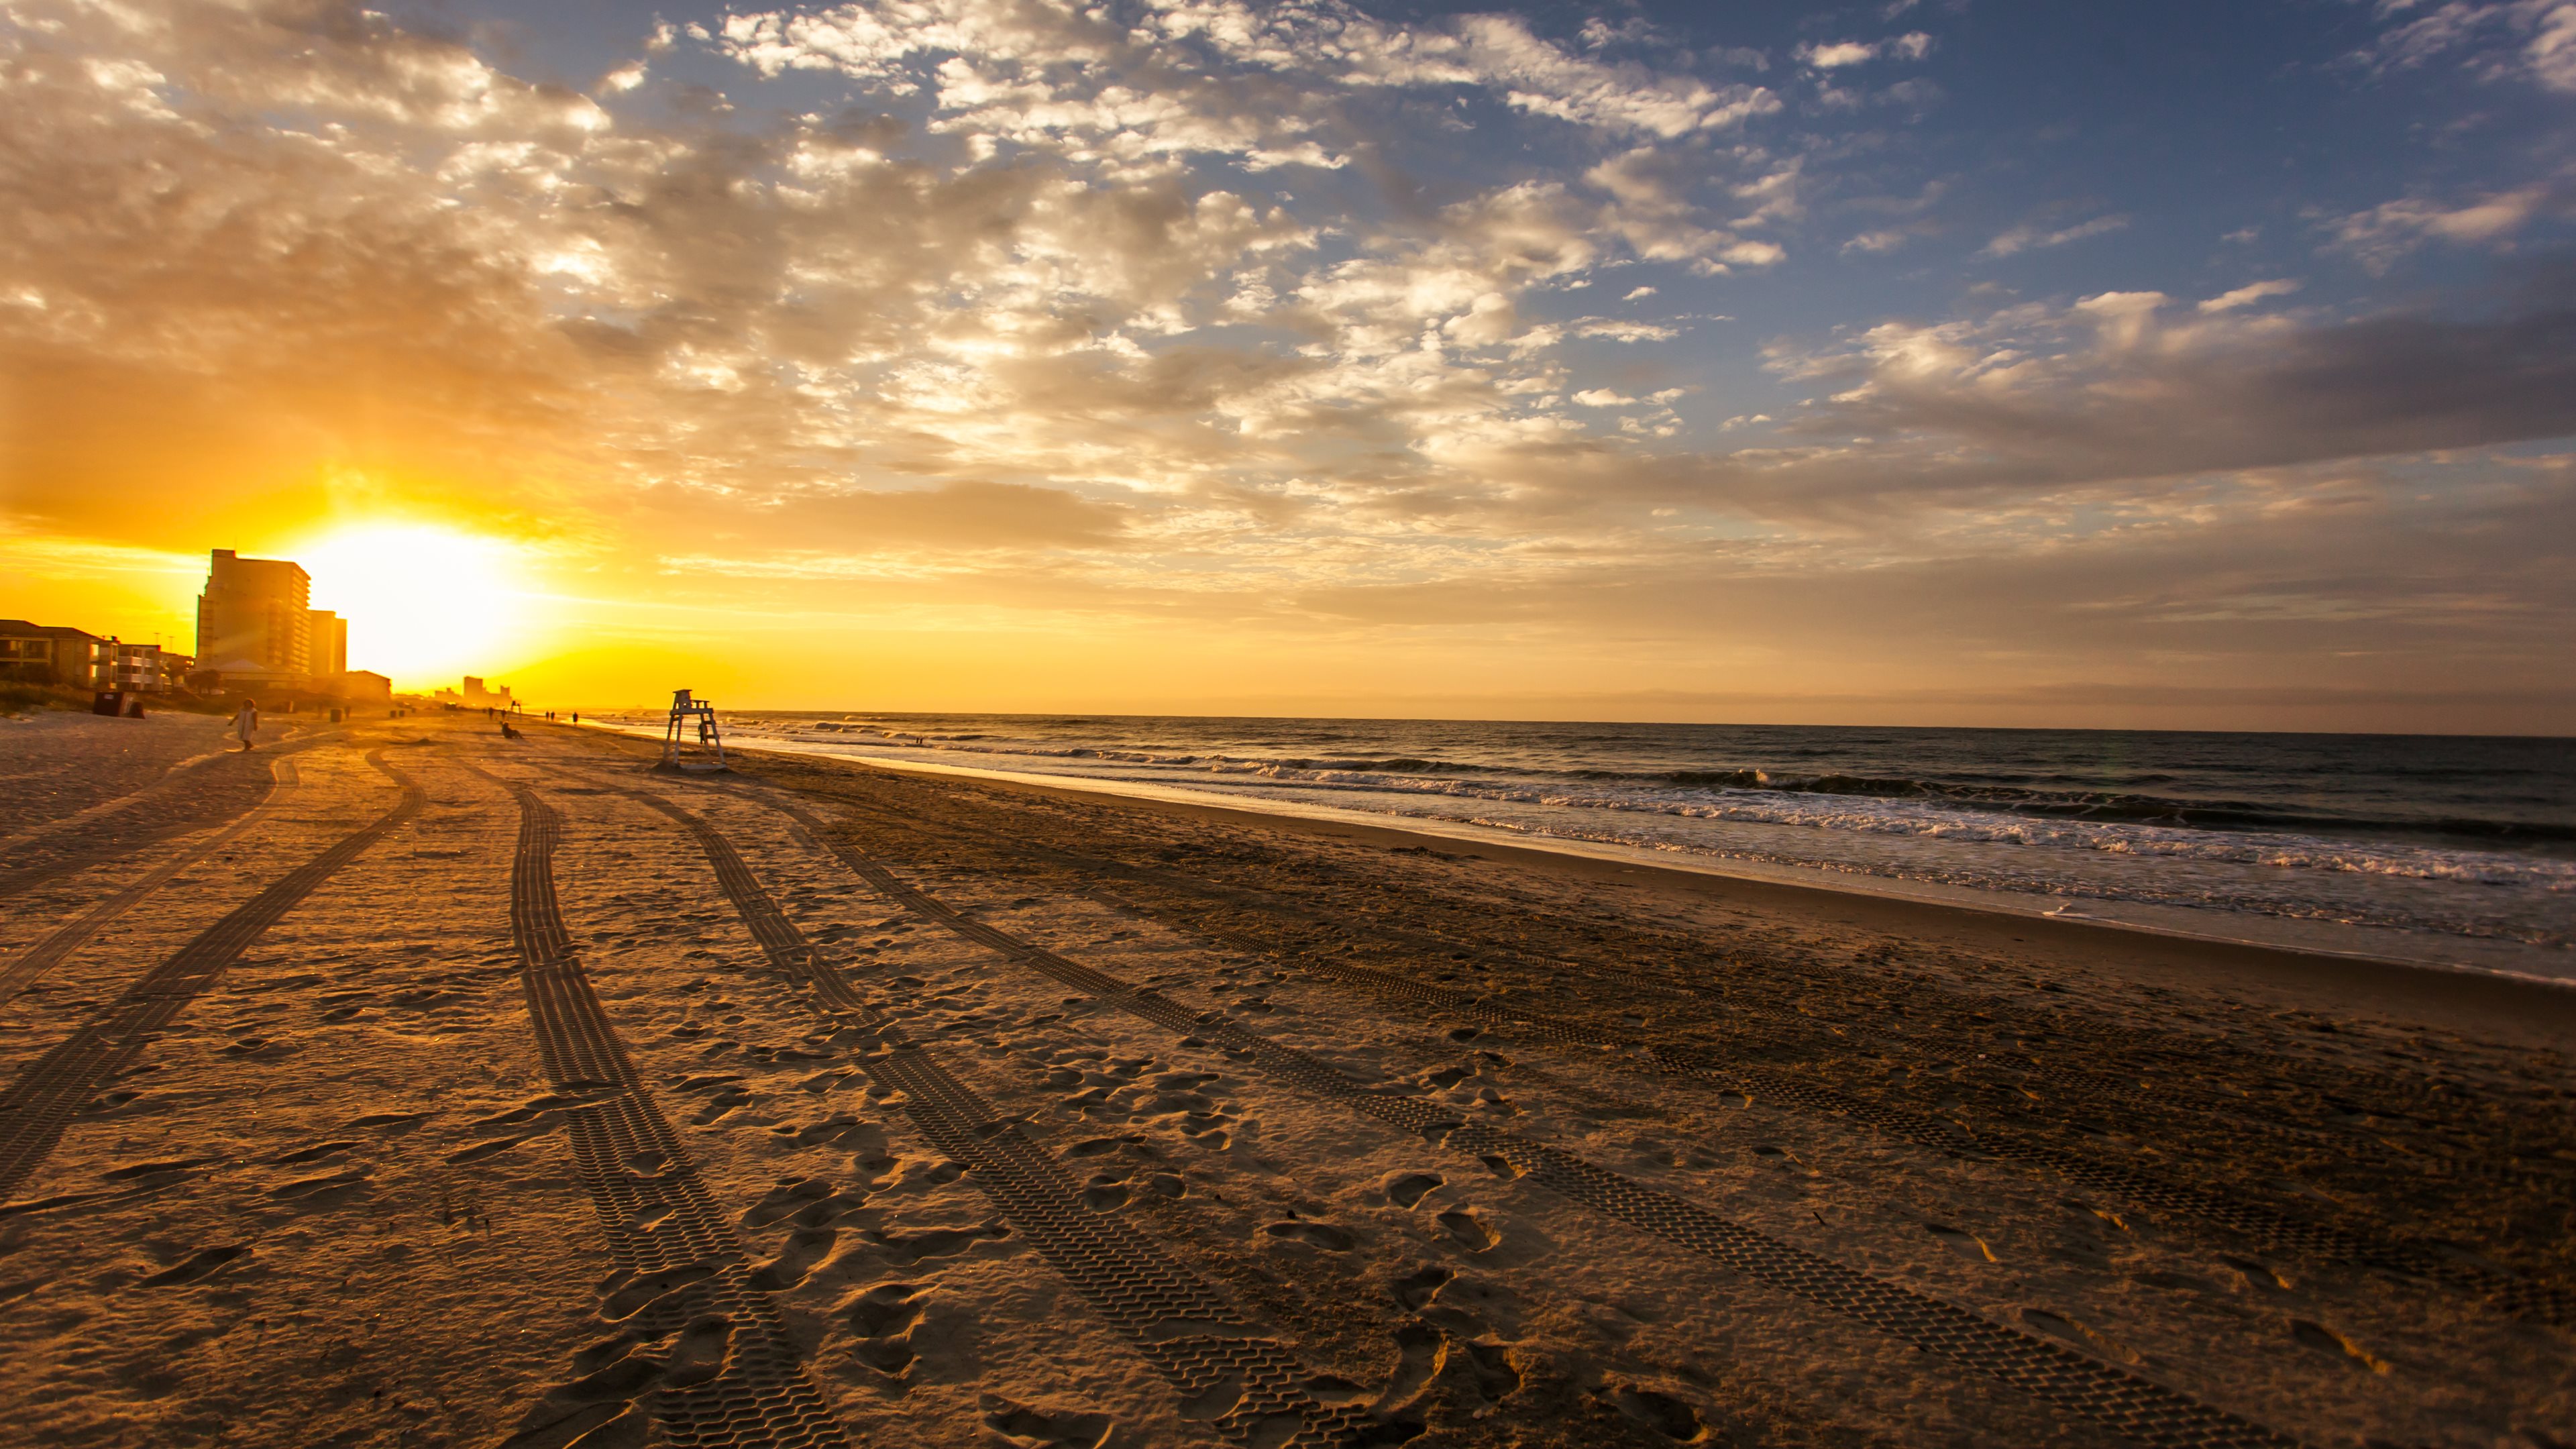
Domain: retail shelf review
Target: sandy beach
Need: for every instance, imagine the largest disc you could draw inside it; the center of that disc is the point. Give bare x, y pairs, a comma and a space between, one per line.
402, 1085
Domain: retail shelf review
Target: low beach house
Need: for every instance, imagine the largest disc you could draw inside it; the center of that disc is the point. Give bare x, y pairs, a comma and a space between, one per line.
55, 654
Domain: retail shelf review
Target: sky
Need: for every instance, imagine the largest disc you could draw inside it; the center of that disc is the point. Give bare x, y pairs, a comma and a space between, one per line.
1983, 362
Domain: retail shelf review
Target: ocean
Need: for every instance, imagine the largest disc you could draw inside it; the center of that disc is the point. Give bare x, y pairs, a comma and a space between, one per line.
2448, 851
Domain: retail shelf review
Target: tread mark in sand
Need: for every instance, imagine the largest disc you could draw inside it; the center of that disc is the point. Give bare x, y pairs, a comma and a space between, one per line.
38, 1108
1131, 1283
2136, 1407
141, 820
43, 956
661, 1222
2516, 1293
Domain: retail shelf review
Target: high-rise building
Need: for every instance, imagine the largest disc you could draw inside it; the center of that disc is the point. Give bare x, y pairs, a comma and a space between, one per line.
328, 634
254, 612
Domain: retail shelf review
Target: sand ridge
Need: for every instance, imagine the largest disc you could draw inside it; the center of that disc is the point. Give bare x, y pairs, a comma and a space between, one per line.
1007, 1119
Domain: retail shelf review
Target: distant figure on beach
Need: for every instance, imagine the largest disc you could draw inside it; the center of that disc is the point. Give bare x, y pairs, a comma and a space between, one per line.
508, 733
246, 722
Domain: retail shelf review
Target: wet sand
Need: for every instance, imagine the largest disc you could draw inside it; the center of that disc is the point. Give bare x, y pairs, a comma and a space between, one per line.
485, 1093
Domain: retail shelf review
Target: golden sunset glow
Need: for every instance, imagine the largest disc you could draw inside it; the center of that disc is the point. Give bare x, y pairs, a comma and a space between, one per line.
1216, 358
426, 603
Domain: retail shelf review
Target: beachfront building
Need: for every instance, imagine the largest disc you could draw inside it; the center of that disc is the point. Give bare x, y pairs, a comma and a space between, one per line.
363, 686
145, 668
253, 618
326, 645
55, 654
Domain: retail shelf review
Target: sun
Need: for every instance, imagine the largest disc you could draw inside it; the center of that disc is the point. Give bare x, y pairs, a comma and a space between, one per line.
424, 604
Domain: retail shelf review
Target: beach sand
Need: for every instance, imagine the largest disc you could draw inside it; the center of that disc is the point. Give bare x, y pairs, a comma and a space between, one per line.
415, 1087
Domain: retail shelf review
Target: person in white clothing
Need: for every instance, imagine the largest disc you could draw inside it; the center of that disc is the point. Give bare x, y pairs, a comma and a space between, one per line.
246, 722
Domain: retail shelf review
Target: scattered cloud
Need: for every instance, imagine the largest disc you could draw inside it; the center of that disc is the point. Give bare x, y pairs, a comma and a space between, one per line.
2248, 295
2028, 238
2377, 238
987, 310
1838, 54
2533, 40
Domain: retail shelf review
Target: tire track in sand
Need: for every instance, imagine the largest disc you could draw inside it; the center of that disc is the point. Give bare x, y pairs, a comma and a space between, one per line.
2113, 1398
39, 1107
735, 1377
121, 827
43, 956
2519, 1294
1183, 1326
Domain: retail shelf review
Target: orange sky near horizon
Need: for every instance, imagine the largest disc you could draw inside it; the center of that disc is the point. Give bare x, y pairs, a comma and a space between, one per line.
894, 383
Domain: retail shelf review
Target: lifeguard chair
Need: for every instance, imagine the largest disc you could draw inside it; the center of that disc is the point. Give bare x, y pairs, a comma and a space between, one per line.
687, 713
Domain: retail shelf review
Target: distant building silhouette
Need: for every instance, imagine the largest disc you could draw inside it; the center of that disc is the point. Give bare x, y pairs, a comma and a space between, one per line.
253, 620
474, 695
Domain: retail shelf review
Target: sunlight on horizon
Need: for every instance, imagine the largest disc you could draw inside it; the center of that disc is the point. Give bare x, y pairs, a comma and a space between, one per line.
425, 604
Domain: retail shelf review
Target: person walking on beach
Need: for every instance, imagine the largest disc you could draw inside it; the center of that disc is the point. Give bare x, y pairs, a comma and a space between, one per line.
246, 722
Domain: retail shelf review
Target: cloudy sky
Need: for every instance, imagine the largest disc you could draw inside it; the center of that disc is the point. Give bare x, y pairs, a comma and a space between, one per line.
1929, 361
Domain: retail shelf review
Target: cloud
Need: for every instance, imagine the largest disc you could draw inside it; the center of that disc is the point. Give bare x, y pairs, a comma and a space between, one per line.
2533, 40
1260, 320
2120, 387
2026, 238
2379, 237
2248, 295
1834, 56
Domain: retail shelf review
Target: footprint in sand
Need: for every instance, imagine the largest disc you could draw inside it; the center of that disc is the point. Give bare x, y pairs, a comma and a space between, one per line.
2312, 1334
1661, 1412
786, 1200
1035, 1428
908, 1248
1413, 1187
1106, 1192
152, 1169
1966, 1244
1497, 1376
201, 1264
702, 1350
1320, 1235
1419, 1290
390, 1122
1421, 1352
2260, 1274
312, 1187
2092, 1340
1469, 1228
884, 1317
805, 1248
624, 1300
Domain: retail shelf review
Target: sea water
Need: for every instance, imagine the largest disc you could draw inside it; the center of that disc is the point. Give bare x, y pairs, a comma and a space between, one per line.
2447, 850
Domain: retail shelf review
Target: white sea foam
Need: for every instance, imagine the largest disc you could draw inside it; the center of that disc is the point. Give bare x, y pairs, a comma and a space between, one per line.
1858, 825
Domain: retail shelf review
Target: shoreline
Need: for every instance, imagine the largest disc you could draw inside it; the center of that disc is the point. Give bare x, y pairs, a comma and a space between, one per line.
1891, 896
